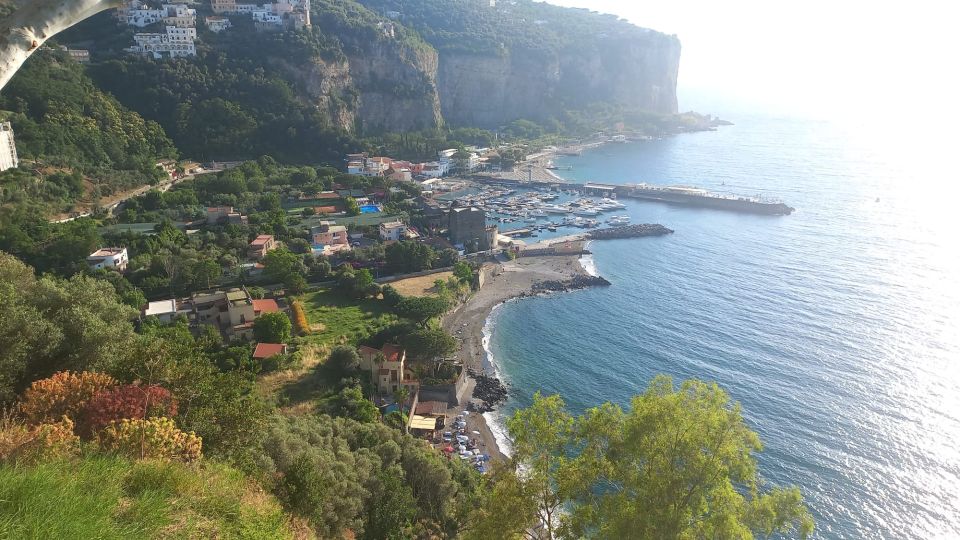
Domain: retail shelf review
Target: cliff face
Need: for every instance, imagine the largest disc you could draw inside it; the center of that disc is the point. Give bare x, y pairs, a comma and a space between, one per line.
381, 86
490, 90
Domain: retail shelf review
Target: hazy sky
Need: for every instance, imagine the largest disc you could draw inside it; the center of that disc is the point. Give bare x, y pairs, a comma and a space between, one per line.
810, 57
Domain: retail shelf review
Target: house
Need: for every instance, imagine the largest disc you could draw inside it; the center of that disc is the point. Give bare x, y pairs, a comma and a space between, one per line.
81, 56
217, 24
8, 148
265, 305
109, 257
327, 233
267, 350
399, 174
260, 245
232, 311
179, 15
175, 42
387, 368
392, 231
224, 214
165, 310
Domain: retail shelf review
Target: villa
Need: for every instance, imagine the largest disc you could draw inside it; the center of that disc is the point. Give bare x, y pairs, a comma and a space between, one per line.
387, 368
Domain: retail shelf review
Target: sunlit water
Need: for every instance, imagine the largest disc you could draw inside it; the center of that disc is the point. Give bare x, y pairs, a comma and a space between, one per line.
837, 328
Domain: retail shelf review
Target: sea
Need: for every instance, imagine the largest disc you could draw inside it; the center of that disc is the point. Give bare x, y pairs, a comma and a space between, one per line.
837, 328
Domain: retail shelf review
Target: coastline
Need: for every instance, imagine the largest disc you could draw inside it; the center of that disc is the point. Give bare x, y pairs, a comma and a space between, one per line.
471, 323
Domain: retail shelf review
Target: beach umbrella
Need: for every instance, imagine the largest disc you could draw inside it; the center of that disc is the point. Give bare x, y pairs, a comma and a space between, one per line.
448, 449
475, 432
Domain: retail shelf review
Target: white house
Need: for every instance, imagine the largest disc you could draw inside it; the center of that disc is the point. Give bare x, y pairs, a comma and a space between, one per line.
109, 257
8, 148
218, 24
165, 310
175, 42
392, 231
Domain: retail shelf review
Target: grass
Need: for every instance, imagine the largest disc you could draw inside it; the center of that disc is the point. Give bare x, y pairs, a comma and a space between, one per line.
339, 318
419, 286
103, 497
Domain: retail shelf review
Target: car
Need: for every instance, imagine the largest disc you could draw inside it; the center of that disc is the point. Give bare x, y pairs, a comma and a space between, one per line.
447, 436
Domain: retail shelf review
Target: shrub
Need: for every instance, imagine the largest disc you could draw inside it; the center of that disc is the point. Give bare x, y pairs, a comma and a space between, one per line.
129, 401
151, 438
63, 394
44, 442
300, 317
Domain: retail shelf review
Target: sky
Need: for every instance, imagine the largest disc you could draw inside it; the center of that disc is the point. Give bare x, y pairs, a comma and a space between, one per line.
812, 58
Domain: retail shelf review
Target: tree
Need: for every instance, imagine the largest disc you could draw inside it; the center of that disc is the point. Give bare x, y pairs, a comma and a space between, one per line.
272, 328
343, 360
390, 295
429, 343
463, 272
395, 509
351, 206
350, 403
678, 464
281, 264
422, 309
127, 401
407, 256
447, 257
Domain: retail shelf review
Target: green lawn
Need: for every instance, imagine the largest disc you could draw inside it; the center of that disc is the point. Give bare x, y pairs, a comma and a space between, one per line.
341, 315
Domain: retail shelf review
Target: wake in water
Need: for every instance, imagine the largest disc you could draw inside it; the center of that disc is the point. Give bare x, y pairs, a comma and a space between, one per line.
587, 262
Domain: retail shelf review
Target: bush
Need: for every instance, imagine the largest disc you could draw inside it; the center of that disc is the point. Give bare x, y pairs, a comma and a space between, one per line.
300, 317
343, 360
63, 394
152, 438
129, 401
22, 445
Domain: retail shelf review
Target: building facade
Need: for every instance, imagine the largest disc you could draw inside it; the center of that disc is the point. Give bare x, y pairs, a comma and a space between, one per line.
109, 257
392, 231
261, 245
466, 224
8, 148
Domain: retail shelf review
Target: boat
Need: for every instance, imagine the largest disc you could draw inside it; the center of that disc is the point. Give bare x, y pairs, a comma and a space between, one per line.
618, 220
585, 212
692, 196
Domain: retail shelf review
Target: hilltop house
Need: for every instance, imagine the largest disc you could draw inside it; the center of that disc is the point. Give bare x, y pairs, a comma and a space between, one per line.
232, 311
387, 369
175, 42
392, 231
109, 257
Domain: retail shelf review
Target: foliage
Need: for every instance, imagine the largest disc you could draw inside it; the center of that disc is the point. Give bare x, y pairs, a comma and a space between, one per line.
390, 295
350, 403
151, 438
333, 470
429, 344
111, 497
352, 208
43, 442
421, 309
343, 360
678, 464
299, 318
281, 264
64, 394
408, 256
49, 325
272, 328
463, 272
132, 401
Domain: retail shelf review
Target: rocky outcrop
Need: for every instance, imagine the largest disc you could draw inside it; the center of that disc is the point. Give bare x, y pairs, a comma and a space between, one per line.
380, 86
489, 90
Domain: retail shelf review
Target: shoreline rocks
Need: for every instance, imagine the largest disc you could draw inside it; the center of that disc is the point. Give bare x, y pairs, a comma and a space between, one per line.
581, 281
489, 390
630, 231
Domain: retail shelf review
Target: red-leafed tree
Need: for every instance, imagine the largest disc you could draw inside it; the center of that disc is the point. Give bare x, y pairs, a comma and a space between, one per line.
128, 401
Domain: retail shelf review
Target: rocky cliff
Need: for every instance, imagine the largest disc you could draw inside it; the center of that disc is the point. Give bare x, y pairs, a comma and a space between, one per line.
489, 90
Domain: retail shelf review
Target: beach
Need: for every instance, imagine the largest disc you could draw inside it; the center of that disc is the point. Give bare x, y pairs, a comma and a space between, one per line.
510, 279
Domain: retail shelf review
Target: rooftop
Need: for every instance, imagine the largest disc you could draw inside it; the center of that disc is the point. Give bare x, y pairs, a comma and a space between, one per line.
261, 240
392, 225
160, 307
267, 305
108, 252
266, 350
392, 352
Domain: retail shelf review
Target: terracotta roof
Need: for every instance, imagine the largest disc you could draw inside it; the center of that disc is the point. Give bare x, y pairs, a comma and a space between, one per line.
392, 352
266, 350
261, 240
267, 305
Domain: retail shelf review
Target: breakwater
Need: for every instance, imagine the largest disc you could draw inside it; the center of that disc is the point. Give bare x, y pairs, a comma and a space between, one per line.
629, 231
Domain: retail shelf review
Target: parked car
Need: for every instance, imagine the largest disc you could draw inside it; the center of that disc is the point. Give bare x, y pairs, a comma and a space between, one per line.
447, 436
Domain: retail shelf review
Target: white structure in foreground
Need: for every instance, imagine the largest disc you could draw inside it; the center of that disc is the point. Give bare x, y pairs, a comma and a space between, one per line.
174, 43
109, 257
8, 148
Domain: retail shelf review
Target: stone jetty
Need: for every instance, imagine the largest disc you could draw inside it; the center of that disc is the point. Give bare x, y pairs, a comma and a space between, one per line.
629, 231
582, 281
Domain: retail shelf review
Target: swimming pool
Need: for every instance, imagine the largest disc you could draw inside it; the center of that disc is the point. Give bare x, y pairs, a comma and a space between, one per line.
369, 208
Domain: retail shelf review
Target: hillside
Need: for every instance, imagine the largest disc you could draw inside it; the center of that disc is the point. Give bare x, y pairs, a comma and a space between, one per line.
370, 67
